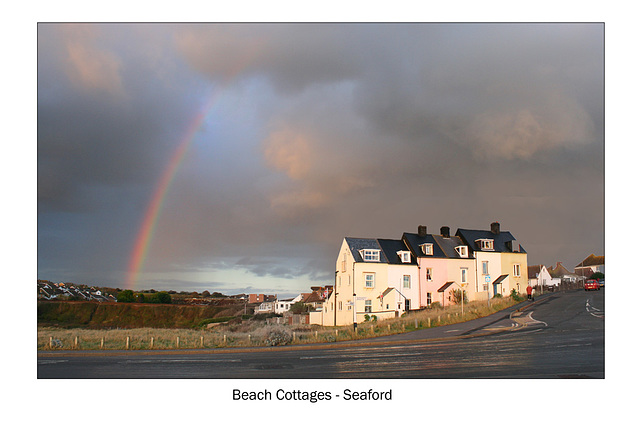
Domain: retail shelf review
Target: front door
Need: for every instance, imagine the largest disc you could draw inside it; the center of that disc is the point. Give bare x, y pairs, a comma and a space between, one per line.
407, 304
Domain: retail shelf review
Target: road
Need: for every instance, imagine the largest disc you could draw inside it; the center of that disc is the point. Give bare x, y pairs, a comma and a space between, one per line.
560, 335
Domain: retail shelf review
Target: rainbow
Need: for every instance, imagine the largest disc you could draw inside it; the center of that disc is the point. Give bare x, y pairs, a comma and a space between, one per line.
145, 234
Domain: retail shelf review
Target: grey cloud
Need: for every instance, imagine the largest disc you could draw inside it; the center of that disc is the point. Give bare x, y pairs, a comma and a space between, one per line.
318, 132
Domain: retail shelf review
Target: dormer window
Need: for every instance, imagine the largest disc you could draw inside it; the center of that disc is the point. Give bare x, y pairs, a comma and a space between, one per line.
485, 244
427, 248
370, 254
462, 251
405, 256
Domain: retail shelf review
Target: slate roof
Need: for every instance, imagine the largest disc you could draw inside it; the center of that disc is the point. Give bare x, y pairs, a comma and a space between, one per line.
356, 244
499, 240
390, 248
414, 241
448, 246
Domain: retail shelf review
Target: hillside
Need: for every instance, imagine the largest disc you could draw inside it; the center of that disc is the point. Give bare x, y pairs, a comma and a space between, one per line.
118, 315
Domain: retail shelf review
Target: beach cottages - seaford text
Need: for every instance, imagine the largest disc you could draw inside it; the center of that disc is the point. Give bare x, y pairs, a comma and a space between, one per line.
384, 278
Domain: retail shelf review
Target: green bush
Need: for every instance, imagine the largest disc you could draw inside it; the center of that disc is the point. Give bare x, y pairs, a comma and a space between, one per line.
126, 296
516, 296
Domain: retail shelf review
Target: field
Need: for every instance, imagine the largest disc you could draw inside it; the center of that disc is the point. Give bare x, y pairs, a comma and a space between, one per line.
193, 327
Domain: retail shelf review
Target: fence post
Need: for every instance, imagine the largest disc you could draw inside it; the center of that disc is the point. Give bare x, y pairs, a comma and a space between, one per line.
202, 341
429, 322
177, 342
101, 343
76, 343
151, 343
416, 322
127, 346
294, 335
224, 339
50, 342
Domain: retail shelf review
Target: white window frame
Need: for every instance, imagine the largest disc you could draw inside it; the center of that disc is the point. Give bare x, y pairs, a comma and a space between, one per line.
516, 270
406, 281
372, 280
427, 248
429, 274
429, 300
464, 275
368, 306
485, 268
405, 256
485, 244
462, 251
370, 255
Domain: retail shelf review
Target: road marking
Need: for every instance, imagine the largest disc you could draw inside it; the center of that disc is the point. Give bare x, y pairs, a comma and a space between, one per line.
595, 312
50, 362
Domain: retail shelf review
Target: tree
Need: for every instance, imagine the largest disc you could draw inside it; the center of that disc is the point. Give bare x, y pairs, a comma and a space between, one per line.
164, 298
126, 296
299, 308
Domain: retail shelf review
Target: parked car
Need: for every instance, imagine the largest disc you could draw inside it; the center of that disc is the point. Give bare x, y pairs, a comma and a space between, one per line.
601, 283
591, 285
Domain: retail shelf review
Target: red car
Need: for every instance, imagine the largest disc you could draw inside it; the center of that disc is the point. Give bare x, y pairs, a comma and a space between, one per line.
591, 285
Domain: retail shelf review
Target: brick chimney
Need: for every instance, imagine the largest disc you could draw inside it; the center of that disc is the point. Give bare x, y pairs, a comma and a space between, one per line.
445, 231
422, 230
495, 227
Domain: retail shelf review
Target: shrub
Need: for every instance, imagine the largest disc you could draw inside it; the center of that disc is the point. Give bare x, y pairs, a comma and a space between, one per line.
279, 336
515, 296
126, 296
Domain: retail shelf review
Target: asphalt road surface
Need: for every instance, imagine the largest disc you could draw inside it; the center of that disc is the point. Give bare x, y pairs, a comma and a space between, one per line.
560, 335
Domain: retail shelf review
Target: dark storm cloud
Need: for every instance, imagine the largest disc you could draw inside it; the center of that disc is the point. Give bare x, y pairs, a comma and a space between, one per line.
318, 132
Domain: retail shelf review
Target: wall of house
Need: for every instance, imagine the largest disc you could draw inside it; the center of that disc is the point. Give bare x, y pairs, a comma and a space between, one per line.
364, 294
519, 283
454, 267
396, 275
439, 276
484, 290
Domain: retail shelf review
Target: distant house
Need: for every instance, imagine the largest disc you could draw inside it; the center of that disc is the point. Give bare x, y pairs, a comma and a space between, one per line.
539, 276
591, 264
265, 307
259, 298
560, 274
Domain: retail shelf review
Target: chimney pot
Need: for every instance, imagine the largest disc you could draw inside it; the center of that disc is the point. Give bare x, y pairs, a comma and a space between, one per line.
495, 228
422, 230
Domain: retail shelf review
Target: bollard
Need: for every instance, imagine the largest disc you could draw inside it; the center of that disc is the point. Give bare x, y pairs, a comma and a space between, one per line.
428, 322
127, 345
151, 343
50, 342
316, 334
294, 335
76, 343
389, 327
249, 338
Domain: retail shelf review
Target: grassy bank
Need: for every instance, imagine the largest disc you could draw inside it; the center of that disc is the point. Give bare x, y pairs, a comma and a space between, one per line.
94, 315
253, 332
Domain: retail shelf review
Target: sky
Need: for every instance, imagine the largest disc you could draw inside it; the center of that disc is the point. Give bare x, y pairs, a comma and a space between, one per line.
249, 151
